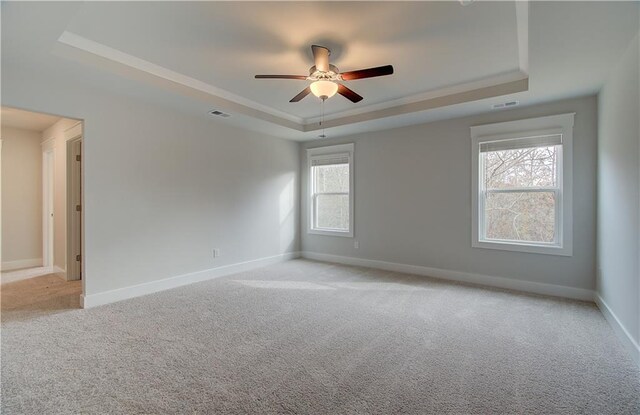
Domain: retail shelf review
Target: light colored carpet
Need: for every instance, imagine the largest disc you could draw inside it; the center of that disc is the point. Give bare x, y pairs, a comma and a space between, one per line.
305, 337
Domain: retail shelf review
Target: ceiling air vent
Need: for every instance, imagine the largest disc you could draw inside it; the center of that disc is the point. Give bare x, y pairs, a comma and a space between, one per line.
219, 113
505, 105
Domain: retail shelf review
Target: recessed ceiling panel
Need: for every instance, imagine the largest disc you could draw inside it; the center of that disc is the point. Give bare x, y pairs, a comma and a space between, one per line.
432, 45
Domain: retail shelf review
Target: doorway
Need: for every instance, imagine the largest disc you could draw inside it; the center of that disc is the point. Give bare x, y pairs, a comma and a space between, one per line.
41, 218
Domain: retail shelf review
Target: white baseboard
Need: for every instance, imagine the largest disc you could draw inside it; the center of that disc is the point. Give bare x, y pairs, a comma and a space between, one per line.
93, 300
22, 263
500, 282
623, 334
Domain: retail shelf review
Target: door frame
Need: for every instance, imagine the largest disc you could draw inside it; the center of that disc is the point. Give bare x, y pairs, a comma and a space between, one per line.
75, 237
0, 203
77, 126
48, 207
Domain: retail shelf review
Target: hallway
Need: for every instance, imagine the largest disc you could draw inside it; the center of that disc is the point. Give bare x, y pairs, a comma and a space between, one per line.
34, 297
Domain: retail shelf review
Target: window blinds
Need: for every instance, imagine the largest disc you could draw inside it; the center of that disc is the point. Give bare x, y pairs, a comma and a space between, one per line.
330, 159
517, 143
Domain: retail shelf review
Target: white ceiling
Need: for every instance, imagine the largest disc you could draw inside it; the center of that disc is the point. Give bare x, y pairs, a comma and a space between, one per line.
26, 120
226, 43
211, 50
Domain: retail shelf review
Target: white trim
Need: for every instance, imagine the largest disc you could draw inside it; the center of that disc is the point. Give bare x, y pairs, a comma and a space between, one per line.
510, 82
21, 263
327, 232
115, 55
554, 124
311, 123
48, 203
522, 25
74, 131
621, 331
151, 287
0, 203
48, 144
467, 277
319, 152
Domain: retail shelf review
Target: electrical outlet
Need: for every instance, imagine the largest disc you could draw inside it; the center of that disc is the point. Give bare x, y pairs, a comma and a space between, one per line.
356, 244
216, 253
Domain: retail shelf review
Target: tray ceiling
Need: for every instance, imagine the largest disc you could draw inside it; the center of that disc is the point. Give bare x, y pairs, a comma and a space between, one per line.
223, 44
450, 60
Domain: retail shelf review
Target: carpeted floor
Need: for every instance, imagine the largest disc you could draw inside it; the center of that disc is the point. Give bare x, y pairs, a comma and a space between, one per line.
305, 337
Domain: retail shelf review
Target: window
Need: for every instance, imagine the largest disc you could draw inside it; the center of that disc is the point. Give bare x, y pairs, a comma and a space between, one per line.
522, 185
331, 190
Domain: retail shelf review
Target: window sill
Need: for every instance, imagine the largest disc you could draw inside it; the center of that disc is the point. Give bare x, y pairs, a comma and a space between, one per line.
523, 247
344, 234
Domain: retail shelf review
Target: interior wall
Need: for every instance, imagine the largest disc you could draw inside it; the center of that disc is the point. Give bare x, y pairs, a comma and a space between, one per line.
21, 198
162, 189
619, 193
57, 133
413, 200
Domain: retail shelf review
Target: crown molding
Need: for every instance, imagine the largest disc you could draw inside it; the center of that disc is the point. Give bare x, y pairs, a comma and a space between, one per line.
116, 56
423, 99
74, 46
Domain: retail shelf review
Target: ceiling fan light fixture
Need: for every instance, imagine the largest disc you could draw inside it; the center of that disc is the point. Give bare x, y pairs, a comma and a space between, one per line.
327, 80
324, 89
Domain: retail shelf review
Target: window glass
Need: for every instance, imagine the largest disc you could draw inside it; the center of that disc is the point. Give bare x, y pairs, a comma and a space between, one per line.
521, 216
332, 178
517, 206
523, 167
332, 211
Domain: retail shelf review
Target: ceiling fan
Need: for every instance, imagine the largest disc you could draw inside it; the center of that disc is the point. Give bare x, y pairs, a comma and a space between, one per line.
327, 79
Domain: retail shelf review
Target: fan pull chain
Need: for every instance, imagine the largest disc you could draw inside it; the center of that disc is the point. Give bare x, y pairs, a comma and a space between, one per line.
322, 120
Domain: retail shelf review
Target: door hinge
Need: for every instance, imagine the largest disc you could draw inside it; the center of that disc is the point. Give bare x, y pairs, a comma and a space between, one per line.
78, 208
78, 157
78, 257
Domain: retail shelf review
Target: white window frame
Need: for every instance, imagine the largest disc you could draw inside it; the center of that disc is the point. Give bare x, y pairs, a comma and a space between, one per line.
322, 153
532, 127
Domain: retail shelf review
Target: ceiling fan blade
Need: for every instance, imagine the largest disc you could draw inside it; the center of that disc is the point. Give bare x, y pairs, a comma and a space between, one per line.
349, 94
300, 77
367, 73
321, 57
301, 95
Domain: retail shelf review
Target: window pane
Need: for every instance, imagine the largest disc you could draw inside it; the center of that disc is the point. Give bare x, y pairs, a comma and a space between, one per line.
527, 216
332, 212
332, 178
524, 167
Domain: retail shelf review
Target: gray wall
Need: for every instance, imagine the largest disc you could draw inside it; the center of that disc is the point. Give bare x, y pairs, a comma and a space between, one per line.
163, 189
619, 192
413, 200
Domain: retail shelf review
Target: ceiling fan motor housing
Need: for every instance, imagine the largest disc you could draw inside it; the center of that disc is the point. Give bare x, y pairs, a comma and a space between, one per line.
333, 74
